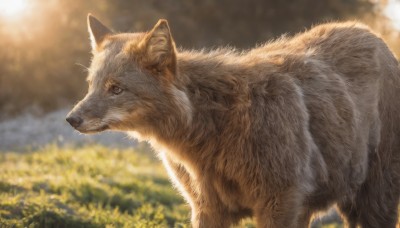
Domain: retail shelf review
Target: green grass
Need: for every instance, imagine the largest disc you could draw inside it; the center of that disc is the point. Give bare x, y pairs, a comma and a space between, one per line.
92, 186
87, 187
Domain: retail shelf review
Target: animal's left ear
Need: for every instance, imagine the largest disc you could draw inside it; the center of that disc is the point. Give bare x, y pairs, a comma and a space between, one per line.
160, 48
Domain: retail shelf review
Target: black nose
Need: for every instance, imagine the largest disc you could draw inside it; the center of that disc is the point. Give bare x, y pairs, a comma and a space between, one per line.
75, 121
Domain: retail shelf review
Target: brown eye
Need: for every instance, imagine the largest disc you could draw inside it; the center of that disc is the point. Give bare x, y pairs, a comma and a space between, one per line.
115, 90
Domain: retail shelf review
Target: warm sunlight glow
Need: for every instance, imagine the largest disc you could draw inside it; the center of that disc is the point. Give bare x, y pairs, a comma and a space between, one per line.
12, 8
393, 12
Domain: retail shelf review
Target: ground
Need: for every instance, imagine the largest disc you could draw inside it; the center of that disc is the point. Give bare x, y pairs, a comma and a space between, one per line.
90, 186
87, 187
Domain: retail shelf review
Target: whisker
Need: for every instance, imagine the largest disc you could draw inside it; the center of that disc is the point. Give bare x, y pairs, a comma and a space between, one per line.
85, 68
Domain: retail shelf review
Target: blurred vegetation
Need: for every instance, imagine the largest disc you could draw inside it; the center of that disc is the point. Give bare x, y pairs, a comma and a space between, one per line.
88, 187
42, 50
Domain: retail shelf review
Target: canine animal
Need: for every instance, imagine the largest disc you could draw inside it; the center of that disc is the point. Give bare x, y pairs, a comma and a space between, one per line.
277, 132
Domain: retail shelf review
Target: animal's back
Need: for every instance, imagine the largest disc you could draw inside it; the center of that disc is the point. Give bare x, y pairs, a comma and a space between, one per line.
347, 80
350, 81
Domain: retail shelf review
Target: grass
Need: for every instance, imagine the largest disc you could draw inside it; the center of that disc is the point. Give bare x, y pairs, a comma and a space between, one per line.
87, 187
92, 186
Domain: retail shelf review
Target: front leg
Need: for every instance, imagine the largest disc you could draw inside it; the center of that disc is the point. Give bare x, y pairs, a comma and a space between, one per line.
304, 218
280, 210
209, 218
181, 179
207, 210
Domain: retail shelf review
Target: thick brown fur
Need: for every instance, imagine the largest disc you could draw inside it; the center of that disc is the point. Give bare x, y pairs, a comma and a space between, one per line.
278, 132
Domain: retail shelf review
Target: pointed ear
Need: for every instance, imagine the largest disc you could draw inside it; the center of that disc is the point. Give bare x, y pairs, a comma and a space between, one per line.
160, 47
97, 31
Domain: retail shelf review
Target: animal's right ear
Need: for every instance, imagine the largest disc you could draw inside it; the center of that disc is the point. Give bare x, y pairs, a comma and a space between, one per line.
97, 31
159, 48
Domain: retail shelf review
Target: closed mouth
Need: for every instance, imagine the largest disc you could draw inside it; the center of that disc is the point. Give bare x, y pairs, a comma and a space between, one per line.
94, 130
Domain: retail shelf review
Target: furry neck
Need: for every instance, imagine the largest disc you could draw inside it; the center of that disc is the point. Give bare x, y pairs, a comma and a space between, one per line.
208, 95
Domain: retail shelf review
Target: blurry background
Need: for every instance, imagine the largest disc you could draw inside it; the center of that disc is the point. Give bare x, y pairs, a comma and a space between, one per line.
44, 43
44, 50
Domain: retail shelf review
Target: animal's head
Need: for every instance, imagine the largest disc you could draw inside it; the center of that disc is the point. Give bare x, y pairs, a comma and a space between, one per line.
132, 80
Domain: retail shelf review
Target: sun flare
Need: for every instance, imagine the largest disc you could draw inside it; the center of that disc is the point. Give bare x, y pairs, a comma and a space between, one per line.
392, 11
11, 8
